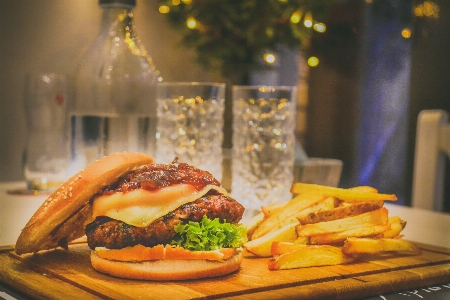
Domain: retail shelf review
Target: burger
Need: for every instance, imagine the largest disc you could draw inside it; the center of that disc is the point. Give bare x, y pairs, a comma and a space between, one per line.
142, 220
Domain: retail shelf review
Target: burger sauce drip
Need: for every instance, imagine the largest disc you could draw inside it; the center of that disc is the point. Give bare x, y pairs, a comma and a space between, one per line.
156, 176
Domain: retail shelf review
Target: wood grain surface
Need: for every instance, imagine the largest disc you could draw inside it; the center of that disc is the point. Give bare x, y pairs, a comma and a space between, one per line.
62, 274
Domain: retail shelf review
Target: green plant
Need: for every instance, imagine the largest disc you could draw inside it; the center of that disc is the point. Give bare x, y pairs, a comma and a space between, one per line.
232, 35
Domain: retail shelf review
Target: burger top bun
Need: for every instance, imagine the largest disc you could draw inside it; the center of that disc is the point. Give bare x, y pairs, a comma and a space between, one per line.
60, 219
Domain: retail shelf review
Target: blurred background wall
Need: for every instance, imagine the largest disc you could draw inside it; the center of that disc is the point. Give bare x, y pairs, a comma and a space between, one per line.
51, 36
364, 59
382, 62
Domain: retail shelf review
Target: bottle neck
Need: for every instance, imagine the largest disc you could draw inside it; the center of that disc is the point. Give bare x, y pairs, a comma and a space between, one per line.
117, 20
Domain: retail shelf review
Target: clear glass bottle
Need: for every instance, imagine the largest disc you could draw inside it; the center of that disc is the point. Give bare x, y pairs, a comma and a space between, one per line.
114, 107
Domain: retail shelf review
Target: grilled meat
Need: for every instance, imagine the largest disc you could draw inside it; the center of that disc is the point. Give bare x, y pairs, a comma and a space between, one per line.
113, 234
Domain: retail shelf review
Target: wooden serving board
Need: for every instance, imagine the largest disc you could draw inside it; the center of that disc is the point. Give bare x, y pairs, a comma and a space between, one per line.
62, 274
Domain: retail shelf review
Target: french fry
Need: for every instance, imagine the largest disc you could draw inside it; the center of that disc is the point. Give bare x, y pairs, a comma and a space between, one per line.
349, 195
339, 212
328, 204
304, 240
306, 231
279, 248
357, 246
270, 209
374, 217
297, 204
309, 256
364, 189
253, 223
341, 236
395, 219
266, 211
397, 225
262, 246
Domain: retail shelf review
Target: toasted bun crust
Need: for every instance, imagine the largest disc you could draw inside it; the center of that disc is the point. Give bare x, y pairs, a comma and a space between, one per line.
167, 269
60, 219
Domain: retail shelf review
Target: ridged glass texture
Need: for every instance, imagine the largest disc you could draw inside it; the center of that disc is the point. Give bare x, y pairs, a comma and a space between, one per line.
190, 124
263, 145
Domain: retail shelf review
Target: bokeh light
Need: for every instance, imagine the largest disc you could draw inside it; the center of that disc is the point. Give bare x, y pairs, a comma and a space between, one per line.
308, 22
313, 61
296, 17
406, 33
269, 58
320, 27
191, 22
164, 9
427, 9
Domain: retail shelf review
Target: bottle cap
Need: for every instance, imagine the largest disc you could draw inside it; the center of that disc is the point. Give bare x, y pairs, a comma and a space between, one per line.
118, 2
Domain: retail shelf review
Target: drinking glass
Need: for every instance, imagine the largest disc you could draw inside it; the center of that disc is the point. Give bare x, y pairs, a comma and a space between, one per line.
190, 124
45, 158
263, 145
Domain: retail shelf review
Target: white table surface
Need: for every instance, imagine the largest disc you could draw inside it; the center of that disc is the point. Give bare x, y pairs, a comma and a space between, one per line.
423, 226
15, 211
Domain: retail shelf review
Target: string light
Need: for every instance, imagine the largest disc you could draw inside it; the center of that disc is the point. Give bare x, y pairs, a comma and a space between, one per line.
191, 22
292, 24
308, 22
406, 33
313, 61
427, 9
164, 9
269, 58
320, 27
296, 17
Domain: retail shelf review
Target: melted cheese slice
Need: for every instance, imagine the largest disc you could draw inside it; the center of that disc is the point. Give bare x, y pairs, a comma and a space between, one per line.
141, 207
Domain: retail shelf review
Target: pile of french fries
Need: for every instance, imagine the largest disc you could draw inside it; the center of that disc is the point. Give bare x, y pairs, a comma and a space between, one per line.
325, 225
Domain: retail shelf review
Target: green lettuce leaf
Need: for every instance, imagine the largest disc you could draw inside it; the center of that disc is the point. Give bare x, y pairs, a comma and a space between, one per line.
209, 235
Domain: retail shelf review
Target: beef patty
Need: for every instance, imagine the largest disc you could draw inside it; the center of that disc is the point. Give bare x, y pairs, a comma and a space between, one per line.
113, 234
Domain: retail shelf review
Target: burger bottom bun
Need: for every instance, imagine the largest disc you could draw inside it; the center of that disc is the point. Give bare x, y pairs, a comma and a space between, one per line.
167, 269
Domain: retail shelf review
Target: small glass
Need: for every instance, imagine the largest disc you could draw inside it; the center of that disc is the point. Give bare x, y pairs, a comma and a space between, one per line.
190, 124
263, 145
45, 158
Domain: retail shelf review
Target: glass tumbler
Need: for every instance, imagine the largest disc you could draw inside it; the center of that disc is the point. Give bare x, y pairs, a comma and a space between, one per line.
190, 124
46, 154
263, 145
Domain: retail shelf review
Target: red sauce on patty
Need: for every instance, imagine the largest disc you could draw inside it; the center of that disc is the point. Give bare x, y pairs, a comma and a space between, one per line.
156, 176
